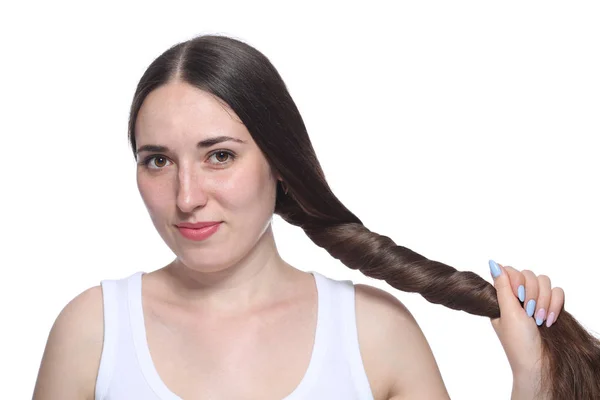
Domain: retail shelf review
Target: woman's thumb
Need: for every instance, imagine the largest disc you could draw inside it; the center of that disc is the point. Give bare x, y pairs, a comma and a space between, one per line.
506, 297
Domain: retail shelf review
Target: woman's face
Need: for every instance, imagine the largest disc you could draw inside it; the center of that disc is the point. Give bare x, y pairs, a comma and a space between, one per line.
183, 177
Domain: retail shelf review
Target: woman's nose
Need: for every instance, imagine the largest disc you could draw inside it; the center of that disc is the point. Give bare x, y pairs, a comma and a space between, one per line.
191, 193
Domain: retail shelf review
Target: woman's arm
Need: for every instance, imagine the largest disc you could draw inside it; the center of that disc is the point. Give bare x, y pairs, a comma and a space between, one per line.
397, 358
72, 356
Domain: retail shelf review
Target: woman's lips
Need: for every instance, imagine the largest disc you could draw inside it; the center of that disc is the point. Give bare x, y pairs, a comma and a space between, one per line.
198, 234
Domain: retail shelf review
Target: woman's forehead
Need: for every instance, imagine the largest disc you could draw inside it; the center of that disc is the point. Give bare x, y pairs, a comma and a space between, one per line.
178, 110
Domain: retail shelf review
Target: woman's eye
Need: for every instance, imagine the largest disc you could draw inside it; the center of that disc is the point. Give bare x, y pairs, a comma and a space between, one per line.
156, 162
221, 157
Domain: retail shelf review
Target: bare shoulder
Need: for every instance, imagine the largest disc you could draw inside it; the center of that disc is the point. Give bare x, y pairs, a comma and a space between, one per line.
397, 358
72, 355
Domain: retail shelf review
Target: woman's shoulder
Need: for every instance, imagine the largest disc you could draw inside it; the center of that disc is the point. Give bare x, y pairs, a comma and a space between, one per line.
370, 299
72, 355
395, 352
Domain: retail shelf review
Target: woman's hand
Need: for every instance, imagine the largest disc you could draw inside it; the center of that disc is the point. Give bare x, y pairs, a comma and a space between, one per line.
528, 303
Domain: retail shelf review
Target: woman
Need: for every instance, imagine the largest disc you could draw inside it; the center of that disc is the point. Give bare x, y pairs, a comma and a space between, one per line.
220, 147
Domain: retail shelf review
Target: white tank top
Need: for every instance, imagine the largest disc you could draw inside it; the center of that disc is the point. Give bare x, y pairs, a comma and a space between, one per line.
126, 371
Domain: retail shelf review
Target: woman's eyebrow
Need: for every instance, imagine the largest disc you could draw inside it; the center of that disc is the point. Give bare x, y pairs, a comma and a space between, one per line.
218, 139
202, 144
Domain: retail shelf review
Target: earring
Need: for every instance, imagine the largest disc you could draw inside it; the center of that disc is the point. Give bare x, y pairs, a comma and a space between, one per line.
285, 188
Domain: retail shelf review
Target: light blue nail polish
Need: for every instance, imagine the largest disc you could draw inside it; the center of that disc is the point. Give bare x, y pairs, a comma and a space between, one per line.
539, 321
521, 292
530, 307
494, 269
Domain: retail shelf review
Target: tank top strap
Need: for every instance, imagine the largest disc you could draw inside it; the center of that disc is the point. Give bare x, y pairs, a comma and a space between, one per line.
347, 295
117, 332
344, 348
111, 330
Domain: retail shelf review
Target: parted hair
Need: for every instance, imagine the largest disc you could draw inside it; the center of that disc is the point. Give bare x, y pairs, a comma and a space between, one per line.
246, 80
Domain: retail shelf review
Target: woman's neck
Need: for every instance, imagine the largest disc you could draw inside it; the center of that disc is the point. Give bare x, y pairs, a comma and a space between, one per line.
258, 279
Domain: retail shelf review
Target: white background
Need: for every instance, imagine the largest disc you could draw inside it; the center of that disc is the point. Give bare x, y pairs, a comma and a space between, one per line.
463, 130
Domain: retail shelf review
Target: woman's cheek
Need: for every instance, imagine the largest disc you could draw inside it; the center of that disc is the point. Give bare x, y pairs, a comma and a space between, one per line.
234, 190
156, 195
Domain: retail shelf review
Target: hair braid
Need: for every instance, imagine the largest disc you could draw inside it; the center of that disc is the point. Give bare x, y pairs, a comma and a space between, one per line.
378, 257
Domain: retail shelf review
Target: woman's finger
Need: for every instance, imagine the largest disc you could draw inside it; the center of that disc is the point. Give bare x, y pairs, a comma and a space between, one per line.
517, 281
531, 291
543, 299
506, 298
557, 302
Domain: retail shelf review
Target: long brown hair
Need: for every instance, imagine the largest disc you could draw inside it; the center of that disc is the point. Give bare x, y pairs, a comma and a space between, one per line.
246, 80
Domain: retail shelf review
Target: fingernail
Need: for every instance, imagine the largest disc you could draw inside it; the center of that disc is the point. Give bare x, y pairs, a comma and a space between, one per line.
521, 292
530, 307
539, 318
550, 320
494, 269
